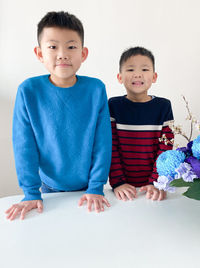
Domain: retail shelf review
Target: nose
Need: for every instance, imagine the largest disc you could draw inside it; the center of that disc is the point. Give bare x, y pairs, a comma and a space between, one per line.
62, 58
137, 74
62, 54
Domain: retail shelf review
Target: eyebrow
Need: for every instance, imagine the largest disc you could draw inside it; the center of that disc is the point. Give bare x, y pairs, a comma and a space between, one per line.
128, 66
70, 41
143, 65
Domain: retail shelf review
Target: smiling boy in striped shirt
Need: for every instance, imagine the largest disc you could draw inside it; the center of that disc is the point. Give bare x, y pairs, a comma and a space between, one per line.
138, 121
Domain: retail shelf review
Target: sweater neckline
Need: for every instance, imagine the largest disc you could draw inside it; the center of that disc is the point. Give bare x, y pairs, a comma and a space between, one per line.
62, 88
138, 103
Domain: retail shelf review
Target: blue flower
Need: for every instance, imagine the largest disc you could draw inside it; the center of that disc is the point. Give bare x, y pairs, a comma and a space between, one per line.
168, 161
196, 147
186, 150
185, 171
195, 164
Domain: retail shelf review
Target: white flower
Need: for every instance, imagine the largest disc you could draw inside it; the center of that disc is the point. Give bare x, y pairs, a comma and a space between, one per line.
163, 184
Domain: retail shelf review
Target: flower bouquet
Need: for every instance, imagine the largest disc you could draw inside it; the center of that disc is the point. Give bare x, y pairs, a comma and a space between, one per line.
181, 167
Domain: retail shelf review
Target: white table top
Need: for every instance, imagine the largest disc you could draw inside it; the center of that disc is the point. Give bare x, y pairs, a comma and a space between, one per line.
132, 234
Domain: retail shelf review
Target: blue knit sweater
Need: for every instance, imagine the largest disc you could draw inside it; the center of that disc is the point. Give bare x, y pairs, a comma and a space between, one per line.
61, 136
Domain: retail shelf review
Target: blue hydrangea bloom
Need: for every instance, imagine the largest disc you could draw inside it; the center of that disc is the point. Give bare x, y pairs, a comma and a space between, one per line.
196, 147
168, 161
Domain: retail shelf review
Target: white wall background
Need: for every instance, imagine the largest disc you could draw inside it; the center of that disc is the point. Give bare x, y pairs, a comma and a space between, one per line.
170, 29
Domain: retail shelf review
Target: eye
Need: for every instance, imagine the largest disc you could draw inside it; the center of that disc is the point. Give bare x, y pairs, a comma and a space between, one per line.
52, 47
145, 70
130, 70
72, 47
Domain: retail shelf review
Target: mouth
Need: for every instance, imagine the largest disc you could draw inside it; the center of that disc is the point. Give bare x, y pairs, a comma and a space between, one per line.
137, 83
63, 65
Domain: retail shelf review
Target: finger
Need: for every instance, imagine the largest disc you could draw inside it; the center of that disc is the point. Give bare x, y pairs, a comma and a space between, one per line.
15, 213
155, 195
105, 201
149, 194
82, 200
132, 190
162, 195
40, 206
101, 204
143, 189
10, 209
96, 205
128, 194
118, 195
131, 186
10, 213
89, 205
122, 195
24, 211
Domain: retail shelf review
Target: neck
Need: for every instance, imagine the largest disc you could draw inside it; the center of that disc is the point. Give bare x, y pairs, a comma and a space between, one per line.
59, 82
138, 98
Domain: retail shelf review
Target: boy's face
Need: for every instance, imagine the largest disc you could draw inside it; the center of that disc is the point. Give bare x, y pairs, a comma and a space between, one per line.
62, 53
137, 75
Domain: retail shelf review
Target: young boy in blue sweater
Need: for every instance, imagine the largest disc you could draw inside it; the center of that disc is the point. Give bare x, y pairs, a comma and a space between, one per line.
61, 126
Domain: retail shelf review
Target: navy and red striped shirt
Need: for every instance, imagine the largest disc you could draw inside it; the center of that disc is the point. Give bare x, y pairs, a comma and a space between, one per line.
136, 129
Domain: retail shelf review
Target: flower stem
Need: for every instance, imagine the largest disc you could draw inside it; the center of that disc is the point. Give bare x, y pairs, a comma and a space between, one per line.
190, 118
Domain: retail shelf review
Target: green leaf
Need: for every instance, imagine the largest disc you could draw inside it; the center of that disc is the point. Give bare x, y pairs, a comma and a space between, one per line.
180, 183
194, 190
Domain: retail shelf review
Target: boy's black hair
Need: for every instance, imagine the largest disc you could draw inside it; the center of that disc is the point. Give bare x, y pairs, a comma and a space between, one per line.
134, 51
60, 19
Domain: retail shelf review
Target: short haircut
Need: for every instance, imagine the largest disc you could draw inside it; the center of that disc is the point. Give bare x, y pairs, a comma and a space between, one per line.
134, 51
62, 20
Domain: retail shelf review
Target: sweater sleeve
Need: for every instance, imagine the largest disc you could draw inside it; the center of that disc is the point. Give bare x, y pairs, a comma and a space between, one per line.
25, 151
102, 148
164, 146
116, 175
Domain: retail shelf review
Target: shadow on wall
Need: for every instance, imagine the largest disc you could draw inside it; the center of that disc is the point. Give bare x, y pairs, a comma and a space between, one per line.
8, 178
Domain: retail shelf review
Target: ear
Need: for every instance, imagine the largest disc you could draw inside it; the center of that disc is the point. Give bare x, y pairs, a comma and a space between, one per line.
38, 53
119, 77
155, 76
84, 53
